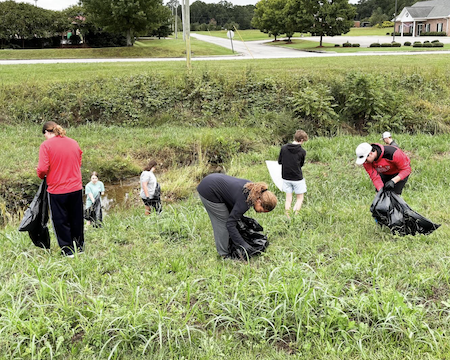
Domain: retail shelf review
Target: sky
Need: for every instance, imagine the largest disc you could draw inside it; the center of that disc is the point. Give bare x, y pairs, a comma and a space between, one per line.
64, 4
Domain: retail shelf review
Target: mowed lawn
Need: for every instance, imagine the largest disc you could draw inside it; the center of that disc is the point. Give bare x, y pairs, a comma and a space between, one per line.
305, 44
155, 48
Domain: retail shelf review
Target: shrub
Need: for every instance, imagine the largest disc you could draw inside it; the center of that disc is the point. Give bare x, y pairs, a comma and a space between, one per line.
337, 45
396, 44
407, 43
400, 34
427, 44
347, 44
315, 105
435, 41
426, 41
355, 45
438, 44
375, 45
386, 45
434, 33
417, 44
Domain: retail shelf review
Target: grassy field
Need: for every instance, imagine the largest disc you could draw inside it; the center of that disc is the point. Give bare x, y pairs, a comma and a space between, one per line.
27, 75
332, 284
253, 35
243, 35
369, 31
305, 44
173, 48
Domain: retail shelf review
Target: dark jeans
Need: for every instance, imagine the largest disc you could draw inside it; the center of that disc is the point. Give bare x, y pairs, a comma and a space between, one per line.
68, 222
398, 188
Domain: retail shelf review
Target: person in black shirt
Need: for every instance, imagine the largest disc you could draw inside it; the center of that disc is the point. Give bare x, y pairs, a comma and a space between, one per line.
292, 157
226, 200
388, 140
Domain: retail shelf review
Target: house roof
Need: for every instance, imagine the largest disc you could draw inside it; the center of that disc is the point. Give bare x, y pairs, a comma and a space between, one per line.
430, 9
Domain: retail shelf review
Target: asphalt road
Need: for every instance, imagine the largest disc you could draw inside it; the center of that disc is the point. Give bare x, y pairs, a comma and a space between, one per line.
257, 50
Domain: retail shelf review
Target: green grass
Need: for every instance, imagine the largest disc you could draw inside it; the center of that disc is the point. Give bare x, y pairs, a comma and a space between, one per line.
305, 44
27, 75
245, 35
369, 31
172, 48
252, 35
331, 285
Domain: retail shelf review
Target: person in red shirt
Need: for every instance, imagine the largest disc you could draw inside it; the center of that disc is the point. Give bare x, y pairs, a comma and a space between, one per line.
60, 162
388, 166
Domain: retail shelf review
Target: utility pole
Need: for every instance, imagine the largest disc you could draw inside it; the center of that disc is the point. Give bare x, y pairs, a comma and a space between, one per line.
184, 19
187, 24
176, 20
35, 2
395, 18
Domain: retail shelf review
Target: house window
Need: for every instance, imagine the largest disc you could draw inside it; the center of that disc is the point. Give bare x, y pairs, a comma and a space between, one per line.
427, 27
439, 27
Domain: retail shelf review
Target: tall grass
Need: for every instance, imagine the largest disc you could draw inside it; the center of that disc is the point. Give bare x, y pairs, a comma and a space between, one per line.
332, 284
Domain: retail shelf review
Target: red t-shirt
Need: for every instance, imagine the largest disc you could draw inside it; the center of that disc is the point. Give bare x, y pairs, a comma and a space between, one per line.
60, 161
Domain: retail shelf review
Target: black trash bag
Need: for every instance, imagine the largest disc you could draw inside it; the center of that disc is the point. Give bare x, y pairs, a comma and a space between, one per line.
256, 241
36, 218
94, 212
155, 201
390, 210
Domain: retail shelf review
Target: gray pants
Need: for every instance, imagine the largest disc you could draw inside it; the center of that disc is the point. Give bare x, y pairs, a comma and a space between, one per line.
218, 214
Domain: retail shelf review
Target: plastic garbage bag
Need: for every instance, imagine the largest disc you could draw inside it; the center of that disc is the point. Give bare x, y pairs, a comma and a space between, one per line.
36, 218
94, 212
256, 241
155, 201
390, 210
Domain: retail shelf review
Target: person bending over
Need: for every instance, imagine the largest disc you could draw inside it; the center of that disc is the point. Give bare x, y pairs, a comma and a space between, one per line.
388, 166
226, 199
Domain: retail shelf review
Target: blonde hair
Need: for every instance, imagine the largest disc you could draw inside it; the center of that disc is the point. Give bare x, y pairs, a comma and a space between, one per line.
51, 126
259, 191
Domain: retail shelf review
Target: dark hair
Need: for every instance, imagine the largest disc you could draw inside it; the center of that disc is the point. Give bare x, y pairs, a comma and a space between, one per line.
150, 165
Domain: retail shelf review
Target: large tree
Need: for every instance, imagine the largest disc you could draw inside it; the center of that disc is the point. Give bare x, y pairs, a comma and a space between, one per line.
270, 17
323, 17
132, 17
25, 21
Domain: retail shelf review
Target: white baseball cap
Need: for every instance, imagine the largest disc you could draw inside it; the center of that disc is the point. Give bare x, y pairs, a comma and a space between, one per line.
362, 152
386, 134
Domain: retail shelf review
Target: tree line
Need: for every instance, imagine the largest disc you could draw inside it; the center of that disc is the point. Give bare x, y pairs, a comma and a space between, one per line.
93, 22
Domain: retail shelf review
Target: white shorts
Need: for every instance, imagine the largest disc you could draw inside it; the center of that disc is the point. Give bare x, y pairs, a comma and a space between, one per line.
298, 187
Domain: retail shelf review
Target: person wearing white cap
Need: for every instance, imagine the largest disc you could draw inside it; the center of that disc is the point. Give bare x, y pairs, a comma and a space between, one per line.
387, 138
388, 166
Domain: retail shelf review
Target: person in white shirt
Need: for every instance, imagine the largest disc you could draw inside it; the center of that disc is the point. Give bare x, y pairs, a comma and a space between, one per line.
149, 188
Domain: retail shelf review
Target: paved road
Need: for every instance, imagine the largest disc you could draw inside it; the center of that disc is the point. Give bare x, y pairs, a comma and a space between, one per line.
257, 50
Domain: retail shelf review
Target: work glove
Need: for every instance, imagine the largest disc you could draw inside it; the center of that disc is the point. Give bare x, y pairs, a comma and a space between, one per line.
389, 185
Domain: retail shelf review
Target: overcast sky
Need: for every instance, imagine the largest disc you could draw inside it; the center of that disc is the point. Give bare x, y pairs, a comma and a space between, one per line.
64, 4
